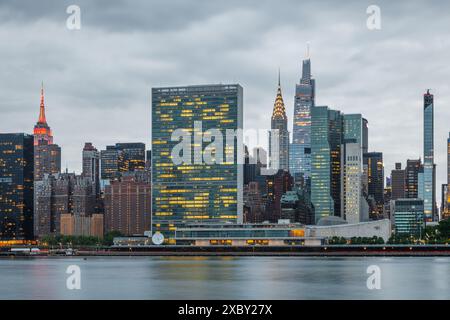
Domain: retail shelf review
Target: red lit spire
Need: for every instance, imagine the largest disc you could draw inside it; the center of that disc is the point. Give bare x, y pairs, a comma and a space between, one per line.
42, 108
42, 132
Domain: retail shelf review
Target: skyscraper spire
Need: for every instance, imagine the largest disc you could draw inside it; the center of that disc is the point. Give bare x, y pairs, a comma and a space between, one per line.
279, 111
42, 118
42, 131
279, 82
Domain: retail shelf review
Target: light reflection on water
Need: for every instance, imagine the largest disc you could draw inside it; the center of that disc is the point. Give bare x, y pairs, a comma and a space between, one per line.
226, 278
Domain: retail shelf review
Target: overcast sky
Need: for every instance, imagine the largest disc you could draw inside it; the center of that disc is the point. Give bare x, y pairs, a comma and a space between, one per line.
98, 79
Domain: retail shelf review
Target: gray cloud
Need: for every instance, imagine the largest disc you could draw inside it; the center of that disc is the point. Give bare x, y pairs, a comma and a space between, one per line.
98, 79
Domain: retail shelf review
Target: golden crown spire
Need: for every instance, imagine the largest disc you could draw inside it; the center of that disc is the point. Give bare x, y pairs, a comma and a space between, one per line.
279, 111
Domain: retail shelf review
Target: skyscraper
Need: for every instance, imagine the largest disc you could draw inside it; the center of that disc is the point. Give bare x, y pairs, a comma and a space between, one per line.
445, 214
412, 178
122, 157
354, 206
326, 141
398, 182
428, 186
91, 165
16, 186
47, 156
304, 101
375, 183
279, 149
196, 189
133, 156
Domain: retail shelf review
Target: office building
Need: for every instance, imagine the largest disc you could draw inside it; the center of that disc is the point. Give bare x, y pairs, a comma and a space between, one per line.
196, 188
326, 166
373, 162
304, 101
47, 155
409, 217
91, 165
16, 187
279, 135
412, 178
277, 185
354, 206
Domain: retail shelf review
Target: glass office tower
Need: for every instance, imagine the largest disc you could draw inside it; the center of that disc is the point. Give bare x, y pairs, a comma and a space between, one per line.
300, 149
429, 188
326, 141
354, 205
197, 191
16, 186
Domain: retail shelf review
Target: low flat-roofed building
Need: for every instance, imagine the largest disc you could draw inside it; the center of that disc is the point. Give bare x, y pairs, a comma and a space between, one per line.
378, 228
271, 234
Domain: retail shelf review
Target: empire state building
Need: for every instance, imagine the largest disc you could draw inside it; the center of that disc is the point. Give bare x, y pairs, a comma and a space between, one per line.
47, 156
42, 131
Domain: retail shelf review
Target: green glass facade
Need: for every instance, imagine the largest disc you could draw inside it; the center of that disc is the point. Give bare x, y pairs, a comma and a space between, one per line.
326, 141
409, 217
197, 191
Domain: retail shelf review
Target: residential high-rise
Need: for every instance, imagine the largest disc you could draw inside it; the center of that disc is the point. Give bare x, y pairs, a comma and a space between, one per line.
279, 135
412, 178
326, 165
354, 207
375, 183
196, 188
16, 186
398, 182
128, 205
47, 156
91, 165
304, 101
429, 171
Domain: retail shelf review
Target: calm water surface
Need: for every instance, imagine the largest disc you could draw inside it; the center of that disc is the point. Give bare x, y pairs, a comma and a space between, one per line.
225, 278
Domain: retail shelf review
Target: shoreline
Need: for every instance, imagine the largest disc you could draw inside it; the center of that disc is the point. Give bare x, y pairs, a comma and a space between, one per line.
247, 251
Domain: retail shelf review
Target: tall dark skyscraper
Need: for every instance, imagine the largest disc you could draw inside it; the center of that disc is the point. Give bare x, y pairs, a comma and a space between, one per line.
196, 189
47, 156
16, 186
398, 182
326, 164
91, 165
428, 178
412, 178
375, 183
279, 158
304, 101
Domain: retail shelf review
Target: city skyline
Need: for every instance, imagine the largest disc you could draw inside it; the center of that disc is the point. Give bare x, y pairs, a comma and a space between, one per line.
371, 75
